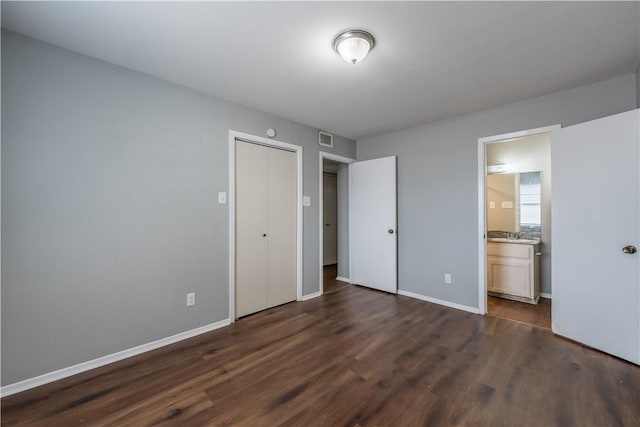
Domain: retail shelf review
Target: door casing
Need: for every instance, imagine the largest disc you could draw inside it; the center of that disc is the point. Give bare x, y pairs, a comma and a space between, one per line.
482, 217
340, 159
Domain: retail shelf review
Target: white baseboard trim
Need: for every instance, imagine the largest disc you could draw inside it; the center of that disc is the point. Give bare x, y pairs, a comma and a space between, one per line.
473, 310
310, 296
105, 360
343, 279
545, 295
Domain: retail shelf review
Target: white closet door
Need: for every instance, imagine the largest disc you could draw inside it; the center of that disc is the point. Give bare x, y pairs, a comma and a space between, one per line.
251, 227
281, 240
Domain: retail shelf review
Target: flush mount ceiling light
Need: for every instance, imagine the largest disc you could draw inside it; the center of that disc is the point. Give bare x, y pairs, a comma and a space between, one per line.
353, 45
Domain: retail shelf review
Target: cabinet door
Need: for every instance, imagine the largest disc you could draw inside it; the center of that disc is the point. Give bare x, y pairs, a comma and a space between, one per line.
251, 227
282, 218
510, 276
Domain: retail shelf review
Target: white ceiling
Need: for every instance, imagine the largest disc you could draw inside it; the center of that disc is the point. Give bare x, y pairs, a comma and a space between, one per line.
432, 60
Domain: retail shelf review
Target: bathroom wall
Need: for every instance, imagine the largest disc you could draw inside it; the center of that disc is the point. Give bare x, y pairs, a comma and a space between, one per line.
502, 188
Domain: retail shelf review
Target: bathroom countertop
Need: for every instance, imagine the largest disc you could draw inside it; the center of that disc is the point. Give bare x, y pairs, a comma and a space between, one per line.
516, 241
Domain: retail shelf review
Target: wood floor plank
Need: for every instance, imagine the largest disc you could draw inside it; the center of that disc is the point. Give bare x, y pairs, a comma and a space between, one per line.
532, 314
354, 357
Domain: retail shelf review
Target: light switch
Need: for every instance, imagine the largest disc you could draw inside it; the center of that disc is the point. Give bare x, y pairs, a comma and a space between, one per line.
492, 205
222, 198
507, 205
306, 201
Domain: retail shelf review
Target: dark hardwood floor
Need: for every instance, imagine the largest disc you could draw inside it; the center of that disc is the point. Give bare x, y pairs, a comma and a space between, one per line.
330, 284
532, 314
353, 357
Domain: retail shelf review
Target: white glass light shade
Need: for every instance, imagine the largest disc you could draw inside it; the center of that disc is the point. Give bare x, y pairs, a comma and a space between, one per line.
353, 50
353, 45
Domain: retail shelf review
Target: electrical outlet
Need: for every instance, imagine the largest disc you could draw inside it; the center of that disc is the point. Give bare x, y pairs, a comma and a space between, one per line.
191, 299
447, 278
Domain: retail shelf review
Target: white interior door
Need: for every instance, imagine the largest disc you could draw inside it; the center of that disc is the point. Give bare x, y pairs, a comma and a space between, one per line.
595, 214
330, 219
373, 223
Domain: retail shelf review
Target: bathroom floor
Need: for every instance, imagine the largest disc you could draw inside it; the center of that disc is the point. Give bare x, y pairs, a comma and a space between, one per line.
537, 315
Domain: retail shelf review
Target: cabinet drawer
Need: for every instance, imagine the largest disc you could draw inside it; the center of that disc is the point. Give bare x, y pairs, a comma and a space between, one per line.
511, 250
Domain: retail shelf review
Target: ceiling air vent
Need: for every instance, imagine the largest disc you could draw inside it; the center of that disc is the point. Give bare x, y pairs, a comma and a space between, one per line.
325, 139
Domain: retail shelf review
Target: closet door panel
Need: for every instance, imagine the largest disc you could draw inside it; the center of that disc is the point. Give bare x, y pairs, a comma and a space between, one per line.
281, 266
251, 225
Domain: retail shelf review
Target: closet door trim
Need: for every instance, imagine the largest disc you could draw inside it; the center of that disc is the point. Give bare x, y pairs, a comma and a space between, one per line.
233, 137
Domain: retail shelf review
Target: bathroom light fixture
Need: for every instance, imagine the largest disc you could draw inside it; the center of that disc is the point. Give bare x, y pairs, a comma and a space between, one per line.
353, 45
501, 168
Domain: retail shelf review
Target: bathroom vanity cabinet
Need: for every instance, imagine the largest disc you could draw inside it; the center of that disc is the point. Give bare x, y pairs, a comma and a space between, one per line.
513, 270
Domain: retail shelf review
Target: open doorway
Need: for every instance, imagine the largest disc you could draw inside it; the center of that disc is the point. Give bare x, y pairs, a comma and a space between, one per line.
515, 212
334, 222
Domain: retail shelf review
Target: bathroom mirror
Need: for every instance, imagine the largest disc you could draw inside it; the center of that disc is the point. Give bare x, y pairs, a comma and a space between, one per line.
513, 202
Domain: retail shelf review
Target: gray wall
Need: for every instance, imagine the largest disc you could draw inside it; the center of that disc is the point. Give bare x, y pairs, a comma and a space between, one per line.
109, 206
638, 87
526, 155
343, 220
438, 181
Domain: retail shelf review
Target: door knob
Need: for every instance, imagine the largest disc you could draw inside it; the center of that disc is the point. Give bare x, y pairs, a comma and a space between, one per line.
390, 231
629, 249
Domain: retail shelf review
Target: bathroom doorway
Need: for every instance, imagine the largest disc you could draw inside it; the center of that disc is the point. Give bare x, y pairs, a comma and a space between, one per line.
516, 227
334, 222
